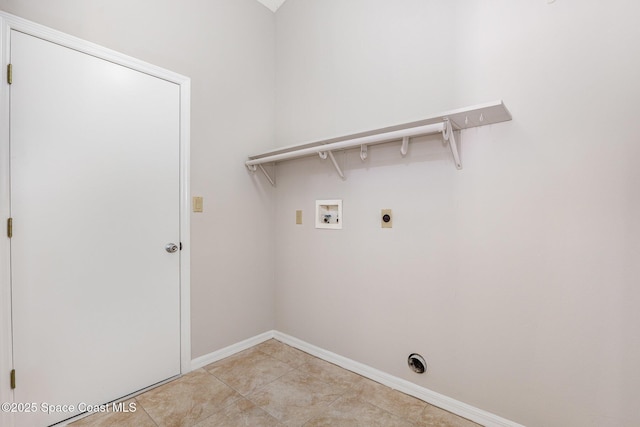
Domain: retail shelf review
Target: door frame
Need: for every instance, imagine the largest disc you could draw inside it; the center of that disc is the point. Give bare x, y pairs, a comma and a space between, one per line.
8, 23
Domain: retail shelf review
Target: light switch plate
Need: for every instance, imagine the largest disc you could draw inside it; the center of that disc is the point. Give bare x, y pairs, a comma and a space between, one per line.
198, 204
298, 217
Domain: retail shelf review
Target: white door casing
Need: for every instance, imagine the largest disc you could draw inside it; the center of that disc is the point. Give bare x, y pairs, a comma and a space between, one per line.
75, 212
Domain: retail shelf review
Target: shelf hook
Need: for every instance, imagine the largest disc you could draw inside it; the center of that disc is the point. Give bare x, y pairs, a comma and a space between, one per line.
323, 155
445, 129
405, 146
252, 168
364, 152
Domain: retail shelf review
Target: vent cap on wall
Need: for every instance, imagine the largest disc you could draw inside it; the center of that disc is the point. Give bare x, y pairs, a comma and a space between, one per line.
417, 363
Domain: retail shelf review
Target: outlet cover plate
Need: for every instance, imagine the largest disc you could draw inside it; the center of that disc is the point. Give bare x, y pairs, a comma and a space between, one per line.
388, 224
198, 203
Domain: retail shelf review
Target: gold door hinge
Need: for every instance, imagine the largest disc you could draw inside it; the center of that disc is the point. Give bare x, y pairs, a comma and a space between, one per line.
10, 227
13, 379
9, 73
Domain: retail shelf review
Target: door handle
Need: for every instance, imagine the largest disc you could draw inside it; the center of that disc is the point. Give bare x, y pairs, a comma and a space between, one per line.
171, 247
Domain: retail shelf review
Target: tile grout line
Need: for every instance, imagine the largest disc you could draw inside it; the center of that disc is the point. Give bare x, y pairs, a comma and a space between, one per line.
228, 385
341, 395
314, 416
346, 388
246, 397
361, 399
153, 420
391, 413
318, 377
396, 415
293, 368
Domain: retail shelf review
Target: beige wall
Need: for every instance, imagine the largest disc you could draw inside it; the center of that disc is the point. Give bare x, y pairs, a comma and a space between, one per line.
517, 277
227, 48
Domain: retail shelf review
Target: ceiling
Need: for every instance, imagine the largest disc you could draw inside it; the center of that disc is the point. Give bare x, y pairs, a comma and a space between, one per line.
272, 4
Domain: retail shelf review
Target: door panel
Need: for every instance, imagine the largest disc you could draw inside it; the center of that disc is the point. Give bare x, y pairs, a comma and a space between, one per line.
95, 198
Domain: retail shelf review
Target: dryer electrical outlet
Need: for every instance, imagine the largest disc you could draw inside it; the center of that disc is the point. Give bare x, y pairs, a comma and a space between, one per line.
386, 218
329, 214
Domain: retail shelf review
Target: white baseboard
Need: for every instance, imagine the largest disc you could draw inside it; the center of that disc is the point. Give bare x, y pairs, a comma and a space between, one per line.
472, 413
202, 361
454, 406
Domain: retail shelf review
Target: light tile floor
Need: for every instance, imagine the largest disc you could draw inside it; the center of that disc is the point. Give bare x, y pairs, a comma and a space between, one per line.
273, 384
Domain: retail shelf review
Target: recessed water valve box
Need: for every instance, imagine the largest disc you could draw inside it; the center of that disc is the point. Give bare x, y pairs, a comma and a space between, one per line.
329, 214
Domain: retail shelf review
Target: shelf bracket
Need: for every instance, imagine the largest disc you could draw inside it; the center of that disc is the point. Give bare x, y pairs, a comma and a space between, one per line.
271, 180
364, 152
405, 146
254, 168
448, 135
335, 164
324, 154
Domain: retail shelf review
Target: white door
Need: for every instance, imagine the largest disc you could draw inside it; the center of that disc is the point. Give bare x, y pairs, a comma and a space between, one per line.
94, 200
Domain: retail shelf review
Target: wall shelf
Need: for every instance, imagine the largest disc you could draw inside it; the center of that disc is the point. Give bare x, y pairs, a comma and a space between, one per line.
446, 123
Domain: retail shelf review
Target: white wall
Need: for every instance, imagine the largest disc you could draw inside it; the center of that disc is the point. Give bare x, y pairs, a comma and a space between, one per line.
517, 277
227, 48
334, 56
